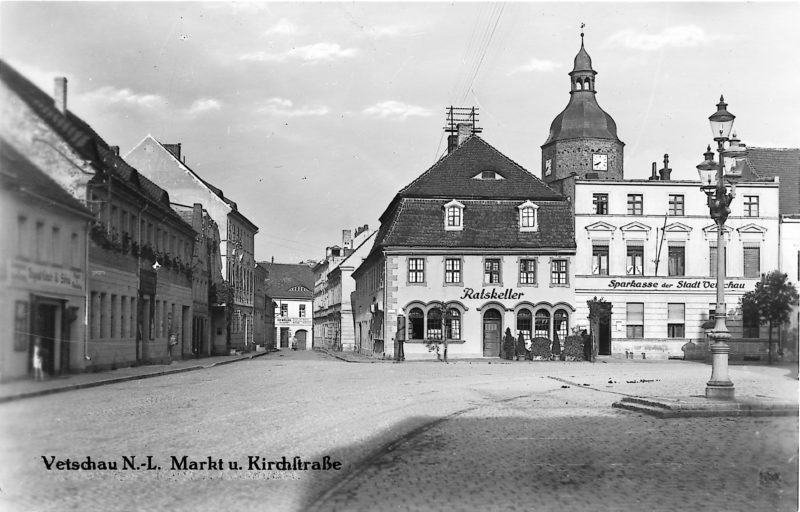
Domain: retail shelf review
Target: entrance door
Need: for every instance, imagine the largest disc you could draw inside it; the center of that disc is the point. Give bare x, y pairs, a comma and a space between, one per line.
284, 337
301, 339
604, 338
492, 329
44, 329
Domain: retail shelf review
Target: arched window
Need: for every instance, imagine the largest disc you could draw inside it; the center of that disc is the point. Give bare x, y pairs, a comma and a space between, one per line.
542, 324
453, 331
561, 324
434, 324
524, 323
416, 324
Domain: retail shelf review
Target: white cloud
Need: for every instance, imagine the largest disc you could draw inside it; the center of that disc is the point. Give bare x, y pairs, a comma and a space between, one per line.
310, 53
112, 96
396, 109
286, 108
283, 27
535, 65
204, 105
677, 36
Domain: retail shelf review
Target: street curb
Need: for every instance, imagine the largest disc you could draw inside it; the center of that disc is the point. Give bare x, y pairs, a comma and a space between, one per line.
700, 407
117, 380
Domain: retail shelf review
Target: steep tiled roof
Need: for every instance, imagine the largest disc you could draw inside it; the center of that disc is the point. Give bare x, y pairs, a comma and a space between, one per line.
419, 222
19, 173
284, 278
783, 163
454, 176
81, 137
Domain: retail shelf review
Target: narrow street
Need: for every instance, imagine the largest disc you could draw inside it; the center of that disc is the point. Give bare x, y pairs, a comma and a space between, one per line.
413, 436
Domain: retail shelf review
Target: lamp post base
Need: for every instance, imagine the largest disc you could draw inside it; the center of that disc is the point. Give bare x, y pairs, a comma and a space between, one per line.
720, 386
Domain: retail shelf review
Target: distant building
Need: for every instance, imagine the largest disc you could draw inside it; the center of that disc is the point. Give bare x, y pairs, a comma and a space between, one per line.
333, 285
263, 316
43, 262
164, 164
479, 237
289, 289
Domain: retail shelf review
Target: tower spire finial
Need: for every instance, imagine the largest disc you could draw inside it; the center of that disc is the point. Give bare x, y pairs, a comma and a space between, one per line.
582, 27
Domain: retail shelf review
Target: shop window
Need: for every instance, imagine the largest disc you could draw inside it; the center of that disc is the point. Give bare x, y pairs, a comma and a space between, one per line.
542, 324
416, 270
751, 206
416, 324
675, 321
634, 317
752, 261
676, 205
561, 324
600, 260
635, 260
452, 270
491, 271
527, 271
712, 260
434, 324
453, 324
524, 323
600, 204
676, 264
558, 272
635, 204
21, 326
750, 324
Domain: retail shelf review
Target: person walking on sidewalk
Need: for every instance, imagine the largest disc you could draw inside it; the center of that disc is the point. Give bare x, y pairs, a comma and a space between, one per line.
38, 360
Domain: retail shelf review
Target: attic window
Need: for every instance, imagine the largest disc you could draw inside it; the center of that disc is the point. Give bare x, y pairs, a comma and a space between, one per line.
488, 175
453, 216
298, 289
528, 216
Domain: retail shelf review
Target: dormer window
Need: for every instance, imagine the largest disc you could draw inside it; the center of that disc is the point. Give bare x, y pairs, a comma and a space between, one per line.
488, 175
528, 216
453, 216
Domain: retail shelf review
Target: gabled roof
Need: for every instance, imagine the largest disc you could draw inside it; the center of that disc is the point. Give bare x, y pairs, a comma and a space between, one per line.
454, 176
19, 173
783, 163
419, 222
289, 281
81, 137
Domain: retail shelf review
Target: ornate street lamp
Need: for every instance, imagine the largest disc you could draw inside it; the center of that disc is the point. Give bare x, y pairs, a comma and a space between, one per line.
714, 181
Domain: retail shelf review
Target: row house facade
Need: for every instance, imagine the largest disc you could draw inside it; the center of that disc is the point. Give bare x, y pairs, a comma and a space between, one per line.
333, 286
43, 263
138, 291
472, 247
232, 325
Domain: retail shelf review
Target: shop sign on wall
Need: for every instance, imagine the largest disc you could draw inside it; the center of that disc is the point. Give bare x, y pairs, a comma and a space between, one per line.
666, 284
35, 274
286, 320
491, 294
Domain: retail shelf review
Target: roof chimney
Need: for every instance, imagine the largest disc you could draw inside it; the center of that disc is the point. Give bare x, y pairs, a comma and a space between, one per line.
464, 131
175, 149
666, 171
653, 173
115, 149
60, 95
452, 143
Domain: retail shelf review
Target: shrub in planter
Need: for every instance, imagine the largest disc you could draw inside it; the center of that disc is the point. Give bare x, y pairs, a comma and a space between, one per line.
509, 345
521, 350
540, 348
573, 348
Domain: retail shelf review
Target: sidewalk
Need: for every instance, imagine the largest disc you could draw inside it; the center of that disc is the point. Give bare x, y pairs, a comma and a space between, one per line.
28, 388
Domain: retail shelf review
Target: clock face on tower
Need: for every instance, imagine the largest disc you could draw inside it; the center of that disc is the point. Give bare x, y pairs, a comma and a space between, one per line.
548, 167
599, 162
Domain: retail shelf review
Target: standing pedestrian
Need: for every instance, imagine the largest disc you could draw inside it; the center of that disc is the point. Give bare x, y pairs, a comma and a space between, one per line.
38, 360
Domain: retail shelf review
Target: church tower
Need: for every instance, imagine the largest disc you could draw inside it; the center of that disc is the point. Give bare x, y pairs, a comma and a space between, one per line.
583, 137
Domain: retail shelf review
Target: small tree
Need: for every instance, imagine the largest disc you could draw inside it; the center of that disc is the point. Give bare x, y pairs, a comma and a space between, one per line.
772, 299
509, 345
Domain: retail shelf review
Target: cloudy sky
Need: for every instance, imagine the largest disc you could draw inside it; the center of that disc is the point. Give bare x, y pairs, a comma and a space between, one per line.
313, 115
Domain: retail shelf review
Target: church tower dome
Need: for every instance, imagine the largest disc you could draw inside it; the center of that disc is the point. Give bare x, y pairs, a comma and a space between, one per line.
583, 138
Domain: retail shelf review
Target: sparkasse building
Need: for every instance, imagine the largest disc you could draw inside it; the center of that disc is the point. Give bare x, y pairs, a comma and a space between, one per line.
479, 237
